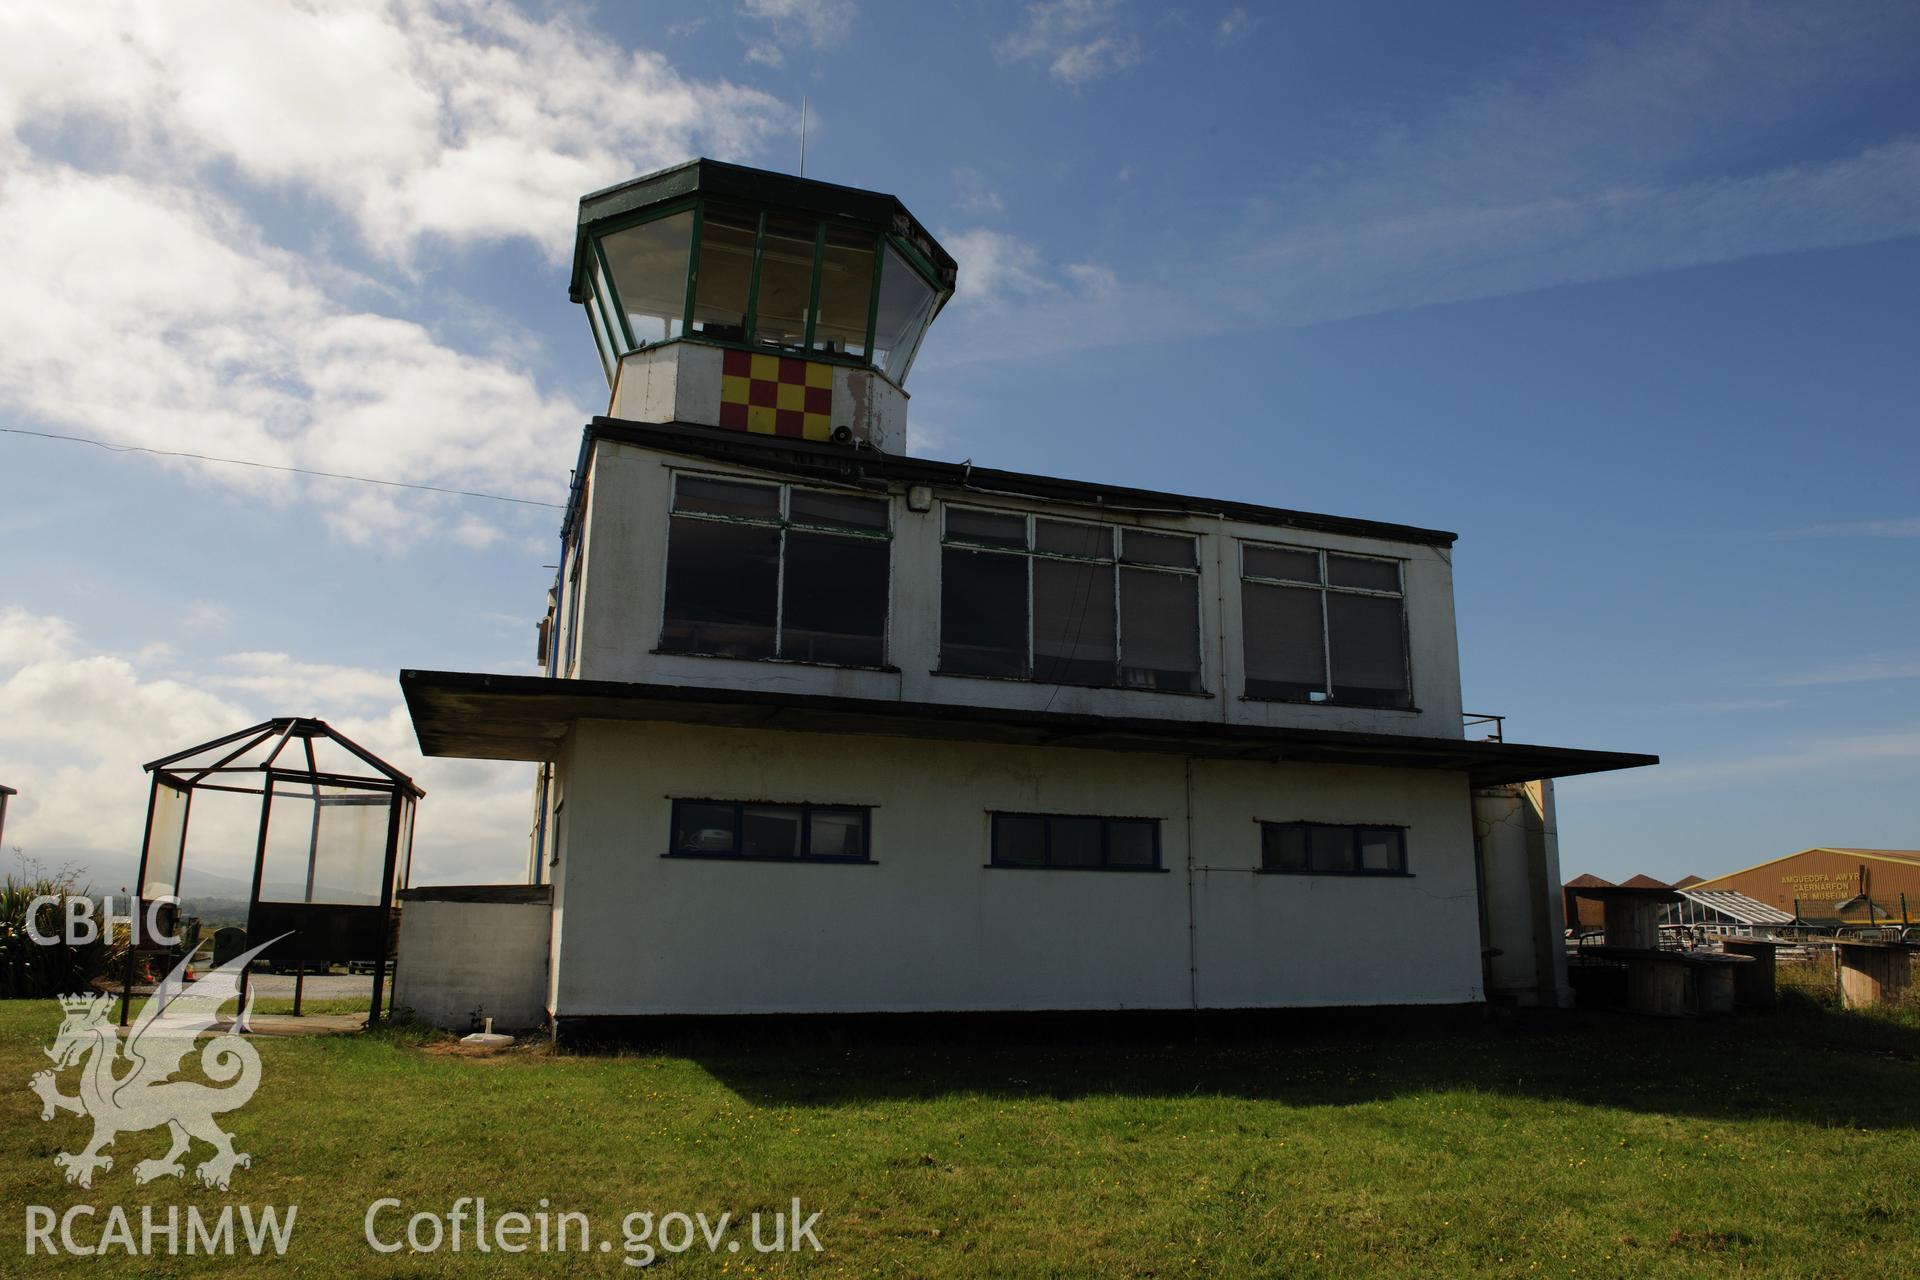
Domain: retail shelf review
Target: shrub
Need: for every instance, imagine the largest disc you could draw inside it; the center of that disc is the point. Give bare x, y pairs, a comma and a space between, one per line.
30, 969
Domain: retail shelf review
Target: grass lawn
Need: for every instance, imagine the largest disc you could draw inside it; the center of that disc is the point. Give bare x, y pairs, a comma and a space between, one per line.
1777, 1145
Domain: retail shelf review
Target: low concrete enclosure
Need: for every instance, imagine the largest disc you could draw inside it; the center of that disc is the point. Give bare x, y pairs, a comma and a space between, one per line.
826, 727
472, 952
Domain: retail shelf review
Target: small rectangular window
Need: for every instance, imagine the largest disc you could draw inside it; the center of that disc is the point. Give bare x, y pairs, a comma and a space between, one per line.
707, 496
1075, 843
1311, 848
1173, 551
1368, 575
986, 528
1288, 564
825, 510
770, 832
1059, 537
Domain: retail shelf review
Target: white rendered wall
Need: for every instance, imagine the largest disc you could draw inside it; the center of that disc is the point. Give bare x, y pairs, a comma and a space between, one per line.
680, 382
1520, 867
928, 926
627, 518
456, 957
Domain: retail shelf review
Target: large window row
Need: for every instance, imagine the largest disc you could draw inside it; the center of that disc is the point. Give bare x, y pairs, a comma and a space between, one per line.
771, 832
778, 281
763, 570
776, 571
809, 832
1321, 626
1064, 602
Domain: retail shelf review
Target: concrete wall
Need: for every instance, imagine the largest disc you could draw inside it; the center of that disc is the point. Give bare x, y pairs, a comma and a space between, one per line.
468, 948
680, 382
1520, 874
624, 591
928, 926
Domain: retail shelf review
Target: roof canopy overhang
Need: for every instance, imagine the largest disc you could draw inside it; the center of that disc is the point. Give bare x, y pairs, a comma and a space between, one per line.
504, 717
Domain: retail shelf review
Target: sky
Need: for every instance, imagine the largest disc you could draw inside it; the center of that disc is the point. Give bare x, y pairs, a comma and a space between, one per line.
1624, 294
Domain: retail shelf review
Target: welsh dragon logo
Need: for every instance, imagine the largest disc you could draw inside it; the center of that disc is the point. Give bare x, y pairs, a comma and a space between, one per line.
127, 1087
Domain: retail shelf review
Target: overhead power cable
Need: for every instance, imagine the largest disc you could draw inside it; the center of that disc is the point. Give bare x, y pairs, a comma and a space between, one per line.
271, 466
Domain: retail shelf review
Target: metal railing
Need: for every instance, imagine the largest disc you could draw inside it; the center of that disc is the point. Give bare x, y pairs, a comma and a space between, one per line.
1473, 719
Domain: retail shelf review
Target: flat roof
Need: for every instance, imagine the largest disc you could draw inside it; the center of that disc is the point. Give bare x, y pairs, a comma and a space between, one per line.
474, 715
847, 463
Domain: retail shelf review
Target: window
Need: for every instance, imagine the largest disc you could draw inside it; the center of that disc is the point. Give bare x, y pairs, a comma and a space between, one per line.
1065, 602
774, 571
1320, 626
907, 302
1308, 848
770, 832
648, 263
1063, 842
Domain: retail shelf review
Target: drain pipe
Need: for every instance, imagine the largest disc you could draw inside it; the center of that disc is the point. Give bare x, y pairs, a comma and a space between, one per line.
1193, 937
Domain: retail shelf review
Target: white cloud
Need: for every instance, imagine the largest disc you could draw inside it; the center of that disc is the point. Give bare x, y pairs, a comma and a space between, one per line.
421, 118
1073, 37
1908, 527
977, 197
767, 55
1855, 755
1884, 666
239, 348
821, 23
1234, 27
1596, 165
79, 724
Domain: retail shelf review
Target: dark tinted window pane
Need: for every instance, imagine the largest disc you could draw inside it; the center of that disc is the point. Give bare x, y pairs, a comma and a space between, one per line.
724, 498
838, 833
726, 267
770, 831
1073, 622
1019, 841
1159, 630
1076, 842
703, 828
988, 528
1283, 846
1281, 562
836, 599
1330, 849
1285, 650
1382, 849
722, 582
786, 283
1066, 539
1374, 575
846, 292
1368, 640
983, 613
1171, 549
1130, 844
837, 510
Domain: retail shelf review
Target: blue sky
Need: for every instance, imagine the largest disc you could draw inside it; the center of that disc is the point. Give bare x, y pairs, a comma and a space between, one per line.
1624, 294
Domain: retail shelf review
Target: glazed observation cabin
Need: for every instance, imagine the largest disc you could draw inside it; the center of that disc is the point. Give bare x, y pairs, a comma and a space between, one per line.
736, 298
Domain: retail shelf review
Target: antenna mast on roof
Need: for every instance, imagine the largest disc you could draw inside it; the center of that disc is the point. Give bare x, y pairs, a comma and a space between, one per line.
803, 135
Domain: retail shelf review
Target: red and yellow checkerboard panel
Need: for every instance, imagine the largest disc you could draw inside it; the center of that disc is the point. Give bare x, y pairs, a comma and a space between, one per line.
776, 395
